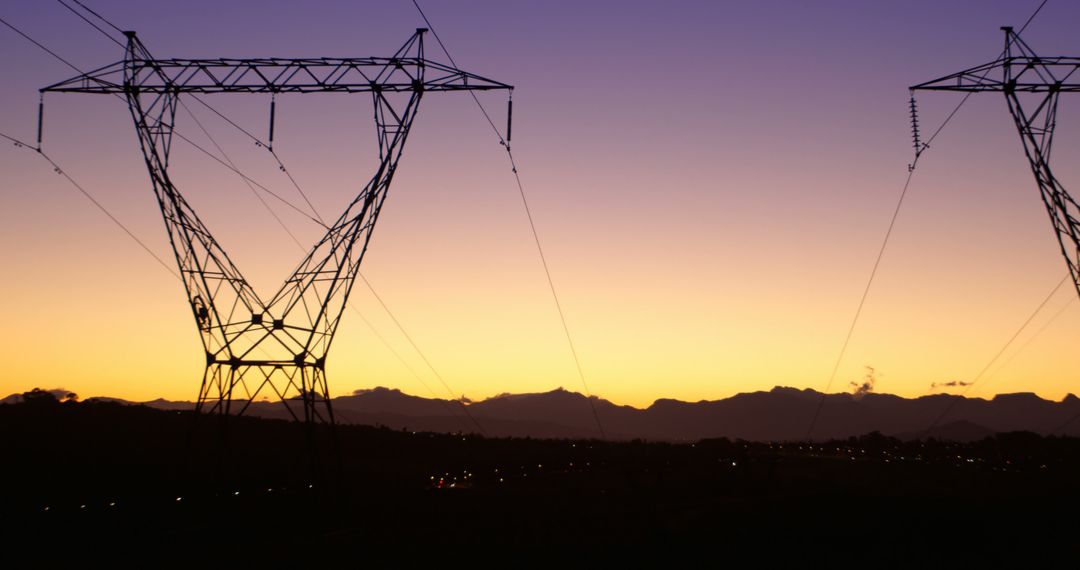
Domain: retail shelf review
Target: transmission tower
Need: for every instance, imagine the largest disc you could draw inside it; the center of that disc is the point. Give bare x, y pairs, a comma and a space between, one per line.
1032, 85
279, 345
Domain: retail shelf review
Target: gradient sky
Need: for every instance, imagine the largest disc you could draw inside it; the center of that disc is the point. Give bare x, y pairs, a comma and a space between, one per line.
711, 181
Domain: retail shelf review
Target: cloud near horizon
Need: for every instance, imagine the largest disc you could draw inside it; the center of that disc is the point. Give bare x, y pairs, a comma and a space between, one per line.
950, 384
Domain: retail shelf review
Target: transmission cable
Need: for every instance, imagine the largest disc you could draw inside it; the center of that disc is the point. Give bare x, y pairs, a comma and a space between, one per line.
249, 179
862, 300
1031, 317
231, 167
174, 131
367, 283
920, 146
269, 147
1036, 334
318, 218
532, 226
103, 209
418, 351
968, 95
242, 178
284, 227
98, 16
386, 308
93, 25
300, 246
56, 167
35, 42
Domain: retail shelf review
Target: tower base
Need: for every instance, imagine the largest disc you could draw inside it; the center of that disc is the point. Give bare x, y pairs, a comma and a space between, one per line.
231, 388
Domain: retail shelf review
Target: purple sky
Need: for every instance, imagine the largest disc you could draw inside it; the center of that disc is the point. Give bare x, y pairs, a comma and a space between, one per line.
711, 179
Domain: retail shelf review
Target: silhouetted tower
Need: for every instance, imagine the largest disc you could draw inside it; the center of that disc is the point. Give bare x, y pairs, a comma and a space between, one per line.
1032, 85
278, 345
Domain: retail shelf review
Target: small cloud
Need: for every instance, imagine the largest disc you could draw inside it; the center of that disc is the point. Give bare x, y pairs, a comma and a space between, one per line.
950, 384
866, 385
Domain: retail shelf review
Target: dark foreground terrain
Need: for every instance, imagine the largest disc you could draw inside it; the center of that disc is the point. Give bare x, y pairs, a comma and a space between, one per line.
135, 485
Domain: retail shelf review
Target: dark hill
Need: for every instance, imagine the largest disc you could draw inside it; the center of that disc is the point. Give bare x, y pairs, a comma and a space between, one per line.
100, 480
780, 414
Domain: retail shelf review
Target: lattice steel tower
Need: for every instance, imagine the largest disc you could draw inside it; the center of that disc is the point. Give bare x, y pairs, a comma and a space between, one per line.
280, 344
1032, 85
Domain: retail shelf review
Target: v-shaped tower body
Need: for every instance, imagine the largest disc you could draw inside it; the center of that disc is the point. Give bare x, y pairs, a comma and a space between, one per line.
278, 346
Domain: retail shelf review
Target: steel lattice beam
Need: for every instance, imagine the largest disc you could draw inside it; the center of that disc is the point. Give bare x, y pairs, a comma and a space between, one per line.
276, 347
1032, 86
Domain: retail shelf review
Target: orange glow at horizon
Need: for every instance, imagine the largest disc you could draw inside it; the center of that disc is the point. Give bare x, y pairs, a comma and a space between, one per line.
713, 244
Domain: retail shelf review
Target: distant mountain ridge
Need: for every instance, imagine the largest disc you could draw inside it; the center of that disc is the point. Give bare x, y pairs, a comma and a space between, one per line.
780, 414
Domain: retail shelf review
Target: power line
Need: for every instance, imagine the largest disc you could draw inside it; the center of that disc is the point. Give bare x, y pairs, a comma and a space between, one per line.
427, 387
418, 351
89, 196
257, 140
35, 42
302, 249
1031, 317
102, 208
1034, 335
395, 320
320, 219
174, 131
93, 25
260, 143
20, 144
303, 194
1062, 427
454, 63
367, 283
532, 226
249, 179
968, 95
98, 16
862, 300
888, 233
1032, 16
245, 180
228, 164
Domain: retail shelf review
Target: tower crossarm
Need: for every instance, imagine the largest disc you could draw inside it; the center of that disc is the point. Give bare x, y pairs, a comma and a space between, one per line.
1026, 75
1032, 86
1018, 70
398, 73
277, 347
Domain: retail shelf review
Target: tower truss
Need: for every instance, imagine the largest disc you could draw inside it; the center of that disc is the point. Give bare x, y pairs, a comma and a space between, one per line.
275, 347
1032, 85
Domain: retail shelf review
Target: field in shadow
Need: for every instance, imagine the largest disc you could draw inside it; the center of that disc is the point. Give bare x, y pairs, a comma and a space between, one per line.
113, 481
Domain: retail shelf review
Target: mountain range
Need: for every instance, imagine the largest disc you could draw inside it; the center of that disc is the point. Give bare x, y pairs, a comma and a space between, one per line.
779, 414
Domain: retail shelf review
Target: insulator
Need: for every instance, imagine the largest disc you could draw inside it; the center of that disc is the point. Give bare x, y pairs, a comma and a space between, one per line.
273, 105
40, 118
509, 117
915, 125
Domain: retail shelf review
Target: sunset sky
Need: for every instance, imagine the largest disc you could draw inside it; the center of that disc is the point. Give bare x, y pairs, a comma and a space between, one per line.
711, 181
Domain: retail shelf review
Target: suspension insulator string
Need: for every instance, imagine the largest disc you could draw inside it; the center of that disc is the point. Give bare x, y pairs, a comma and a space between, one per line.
916, 140
40, 118
509, 115
273, 106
